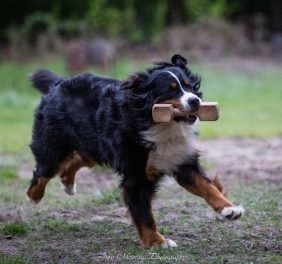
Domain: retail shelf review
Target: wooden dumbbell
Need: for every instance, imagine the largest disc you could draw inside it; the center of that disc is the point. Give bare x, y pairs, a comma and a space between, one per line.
162, 113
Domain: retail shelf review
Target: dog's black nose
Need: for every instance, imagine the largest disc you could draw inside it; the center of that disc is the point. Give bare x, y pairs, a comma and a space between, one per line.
194, 102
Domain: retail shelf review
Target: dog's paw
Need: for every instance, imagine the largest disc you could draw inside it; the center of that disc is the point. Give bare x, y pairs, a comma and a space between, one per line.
32, 200
36, 191
69, 189
232, 213
168, 243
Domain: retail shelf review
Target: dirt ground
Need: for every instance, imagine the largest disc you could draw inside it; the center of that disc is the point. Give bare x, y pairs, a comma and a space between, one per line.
88, 230
246, 159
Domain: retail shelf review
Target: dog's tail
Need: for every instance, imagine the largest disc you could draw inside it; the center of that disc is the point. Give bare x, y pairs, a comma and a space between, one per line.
43, 80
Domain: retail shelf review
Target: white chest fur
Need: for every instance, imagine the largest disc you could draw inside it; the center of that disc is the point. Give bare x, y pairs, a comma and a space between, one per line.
175, 144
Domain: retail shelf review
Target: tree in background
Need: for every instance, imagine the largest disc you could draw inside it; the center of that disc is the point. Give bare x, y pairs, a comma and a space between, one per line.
137, 20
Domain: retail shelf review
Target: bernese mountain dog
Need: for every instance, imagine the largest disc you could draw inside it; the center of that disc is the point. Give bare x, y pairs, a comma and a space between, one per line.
90, 119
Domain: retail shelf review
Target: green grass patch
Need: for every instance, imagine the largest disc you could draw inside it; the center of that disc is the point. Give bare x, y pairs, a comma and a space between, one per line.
249, 103
12, 188
262, 206
14, 76
11, 260
62, 227
165, 230
15, 229
8, 173
109, 197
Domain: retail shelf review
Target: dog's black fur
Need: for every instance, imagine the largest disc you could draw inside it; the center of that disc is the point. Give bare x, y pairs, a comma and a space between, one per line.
103, 120
101, 117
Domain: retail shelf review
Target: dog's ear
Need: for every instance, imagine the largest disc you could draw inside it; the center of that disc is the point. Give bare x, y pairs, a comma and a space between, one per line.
178, 60
136, 82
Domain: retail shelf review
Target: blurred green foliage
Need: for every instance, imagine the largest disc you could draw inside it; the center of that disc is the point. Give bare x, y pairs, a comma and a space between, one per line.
135, 19
198, 8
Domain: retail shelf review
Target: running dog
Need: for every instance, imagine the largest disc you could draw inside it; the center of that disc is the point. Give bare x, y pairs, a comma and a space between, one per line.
89, 119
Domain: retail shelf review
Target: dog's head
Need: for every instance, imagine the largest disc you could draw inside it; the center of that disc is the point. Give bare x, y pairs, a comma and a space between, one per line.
171, 83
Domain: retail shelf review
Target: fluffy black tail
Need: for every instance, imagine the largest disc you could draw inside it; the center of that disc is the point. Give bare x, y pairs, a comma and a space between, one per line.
43, 80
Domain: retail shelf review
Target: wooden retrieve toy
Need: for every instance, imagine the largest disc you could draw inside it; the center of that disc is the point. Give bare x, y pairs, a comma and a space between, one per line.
162, 113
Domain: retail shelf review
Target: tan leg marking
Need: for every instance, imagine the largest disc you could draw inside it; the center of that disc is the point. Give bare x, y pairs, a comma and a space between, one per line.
67, 171
36, 191
212, 193
152, 173
202, 187
69, 168
150, 236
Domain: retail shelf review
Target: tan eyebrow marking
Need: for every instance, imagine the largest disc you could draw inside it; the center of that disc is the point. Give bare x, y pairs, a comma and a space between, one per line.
173, 85
186, 82
175, 77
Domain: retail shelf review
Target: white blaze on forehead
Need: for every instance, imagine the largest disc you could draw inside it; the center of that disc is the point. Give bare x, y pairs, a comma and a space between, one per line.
186, 95
176, 78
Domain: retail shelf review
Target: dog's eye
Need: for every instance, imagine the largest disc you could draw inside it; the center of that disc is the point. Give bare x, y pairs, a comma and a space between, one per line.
173, 85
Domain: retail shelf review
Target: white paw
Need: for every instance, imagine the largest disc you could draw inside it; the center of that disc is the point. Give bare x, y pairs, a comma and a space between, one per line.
69, 189
232, 213
168, 243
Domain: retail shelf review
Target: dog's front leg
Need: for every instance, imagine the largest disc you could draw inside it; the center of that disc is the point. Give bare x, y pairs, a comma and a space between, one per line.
138, 195
192, 177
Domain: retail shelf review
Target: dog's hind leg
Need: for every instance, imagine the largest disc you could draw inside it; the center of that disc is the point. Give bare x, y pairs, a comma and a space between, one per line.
69, 169
48, 163
192, 178
41, 176
138, 195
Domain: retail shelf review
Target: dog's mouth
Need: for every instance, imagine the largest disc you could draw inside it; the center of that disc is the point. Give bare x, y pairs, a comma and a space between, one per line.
190, 119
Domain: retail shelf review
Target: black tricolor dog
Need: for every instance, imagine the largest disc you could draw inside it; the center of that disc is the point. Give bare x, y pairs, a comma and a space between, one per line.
90, 119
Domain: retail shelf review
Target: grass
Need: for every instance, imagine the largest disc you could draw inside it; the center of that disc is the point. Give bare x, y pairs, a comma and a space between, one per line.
109, 196
60, 233
10, 260
8, 173
14, 229
249, 102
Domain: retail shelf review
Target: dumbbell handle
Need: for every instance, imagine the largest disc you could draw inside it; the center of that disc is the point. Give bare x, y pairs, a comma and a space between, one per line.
208, 111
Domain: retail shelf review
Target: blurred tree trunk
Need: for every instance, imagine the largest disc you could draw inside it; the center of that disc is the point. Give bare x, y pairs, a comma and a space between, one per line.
176, 12
276, 14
